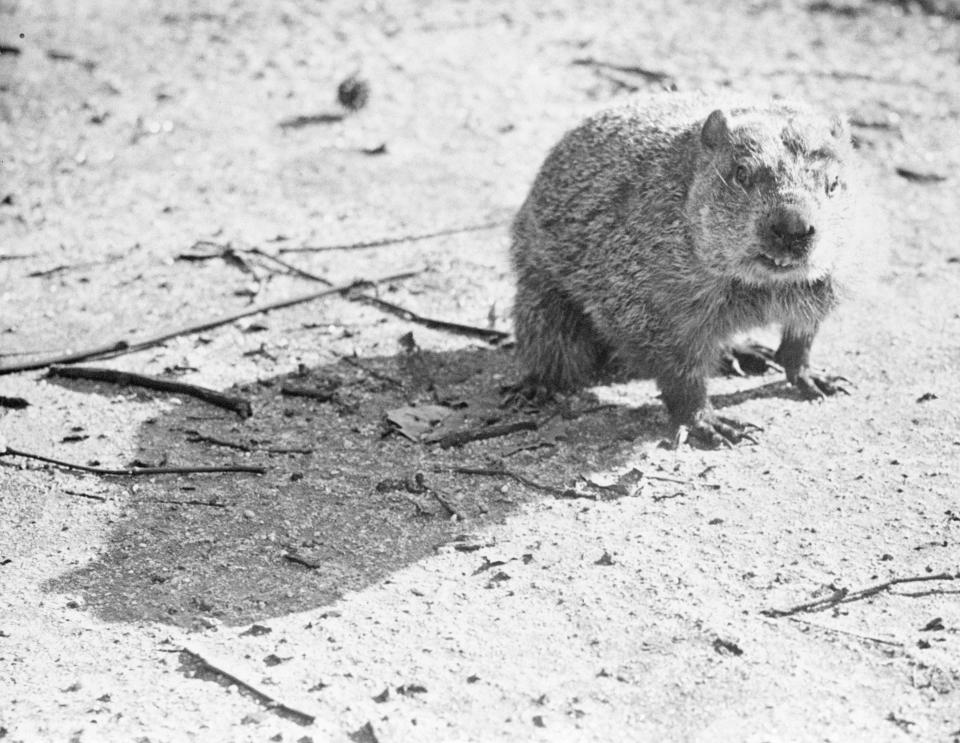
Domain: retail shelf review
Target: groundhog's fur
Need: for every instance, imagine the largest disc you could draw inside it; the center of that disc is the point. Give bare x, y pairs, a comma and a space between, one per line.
658, 229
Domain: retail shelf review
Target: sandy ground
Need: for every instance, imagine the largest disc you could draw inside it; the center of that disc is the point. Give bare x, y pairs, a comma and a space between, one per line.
604, 605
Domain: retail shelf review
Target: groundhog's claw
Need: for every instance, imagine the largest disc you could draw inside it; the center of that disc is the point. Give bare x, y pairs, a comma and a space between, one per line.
741, 359
816, 386
715, 431
525, 394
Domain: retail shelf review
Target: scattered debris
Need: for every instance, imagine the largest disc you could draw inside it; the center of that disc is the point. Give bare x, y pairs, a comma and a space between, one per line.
900, 722
651, 76
274, 660
383, 696
300, 560
487, 564
726, 647
228, 402
364, 734
91, 496
353, 93
298, 122
605, 559
934, 625
411, 689
927, 397
845, 596
256, 630
920, 176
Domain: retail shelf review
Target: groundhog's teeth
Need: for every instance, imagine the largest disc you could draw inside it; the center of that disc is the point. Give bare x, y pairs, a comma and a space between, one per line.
782, 262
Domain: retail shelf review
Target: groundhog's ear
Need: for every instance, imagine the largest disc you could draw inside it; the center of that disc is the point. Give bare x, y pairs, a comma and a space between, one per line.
715, 131
839, 128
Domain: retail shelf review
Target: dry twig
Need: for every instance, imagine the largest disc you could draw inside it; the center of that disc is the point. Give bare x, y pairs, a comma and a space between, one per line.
465, 436
487, 334
502, 472
218, 666
130, 472
395, 240
123, 346
845, 632
229, 402
845, 596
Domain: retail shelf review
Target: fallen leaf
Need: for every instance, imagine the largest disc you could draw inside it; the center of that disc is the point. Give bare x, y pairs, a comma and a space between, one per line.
414, 421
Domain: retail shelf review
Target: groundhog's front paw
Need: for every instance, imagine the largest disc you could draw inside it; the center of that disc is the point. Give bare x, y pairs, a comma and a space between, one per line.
741, 359
816, 386
714, 431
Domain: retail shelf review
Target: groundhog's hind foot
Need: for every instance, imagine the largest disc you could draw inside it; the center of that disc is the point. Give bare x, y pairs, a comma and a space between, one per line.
816, 386
714, 431
747, 357
525, 394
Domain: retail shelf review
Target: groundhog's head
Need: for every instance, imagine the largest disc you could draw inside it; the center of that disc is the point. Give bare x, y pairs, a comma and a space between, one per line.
769, 195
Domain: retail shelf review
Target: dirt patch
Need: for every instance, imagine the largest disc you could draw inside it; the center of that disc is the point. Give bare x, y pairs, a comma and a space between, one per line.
627, 592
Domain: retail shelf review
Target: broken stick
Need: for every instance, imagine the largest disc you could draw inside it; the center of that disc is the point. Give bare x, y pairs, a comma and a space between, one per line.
845, 596
9, 452
123, 347
395, 240
465, 436
228, 402
472, 331
218, 666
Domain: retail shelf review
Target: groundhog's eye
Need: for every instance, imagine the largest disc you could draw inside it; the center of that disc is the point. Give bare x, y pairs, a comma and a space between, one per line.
743, 176
832, 185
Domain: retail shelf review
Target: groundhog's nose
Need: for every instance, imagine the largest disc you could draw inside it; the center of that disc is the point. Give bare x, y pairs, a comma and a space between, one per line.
793, 229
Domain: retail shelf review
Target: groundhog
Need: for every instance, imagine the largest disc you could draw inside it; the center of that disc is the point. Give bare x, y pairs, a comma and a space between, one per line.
657, 230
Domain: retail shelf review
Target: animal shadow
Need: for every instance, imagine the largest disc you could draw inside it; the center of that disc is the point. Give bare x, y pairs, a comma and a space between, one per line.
347, 497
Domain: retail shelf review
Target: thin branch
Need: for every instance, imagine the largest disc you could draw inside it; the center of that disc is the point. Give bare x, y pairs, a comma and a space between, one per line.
395, 240
653, 76
487, 334
845, 632
501, 472
211, 504
132, 472
445, 502
218, 667
465, 436
124, 347
372, 372
306, 562
229, 402
196, 436
845, 596
90, 496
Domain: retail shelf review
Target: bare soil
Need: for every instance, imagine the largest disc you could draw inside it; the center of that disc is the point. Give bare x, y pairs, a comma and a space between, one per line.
587, 584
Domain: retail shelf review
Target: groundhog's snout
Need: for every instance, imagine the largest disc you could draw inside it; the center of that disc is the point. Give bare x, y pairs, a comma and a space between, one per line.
792, 230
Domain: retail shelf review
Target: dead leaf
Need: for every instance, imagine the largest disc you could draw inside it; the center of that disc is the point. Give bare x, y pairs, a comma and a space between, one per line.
414, 421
